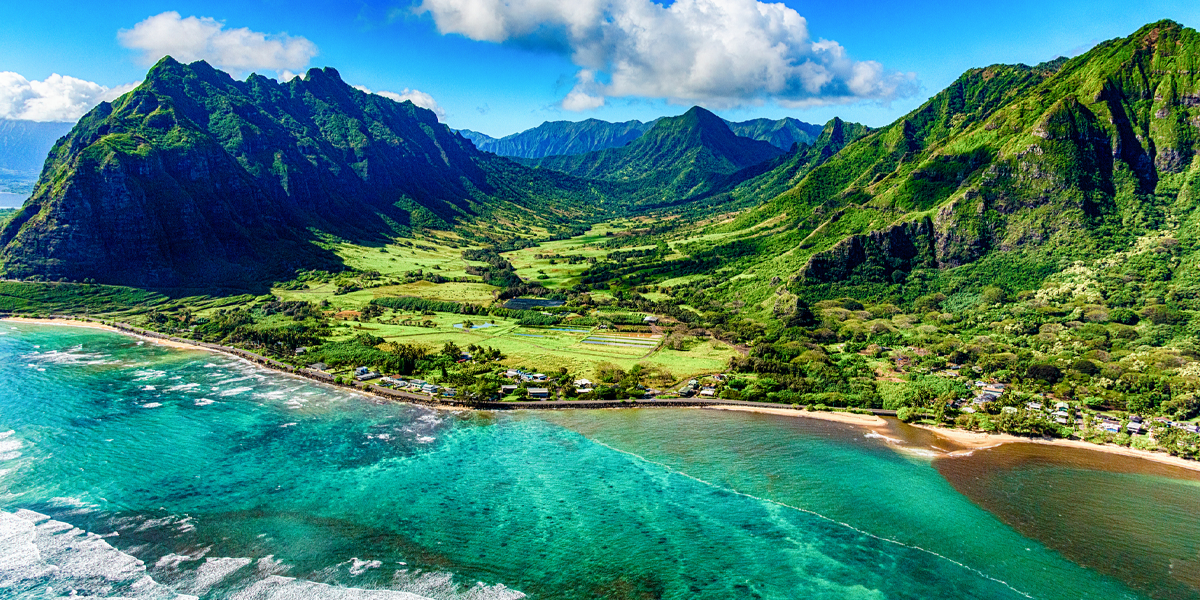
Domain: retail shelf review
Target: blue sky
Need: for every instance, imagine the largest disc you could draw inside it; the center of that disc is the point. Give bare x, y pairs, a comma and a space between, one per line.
548, 57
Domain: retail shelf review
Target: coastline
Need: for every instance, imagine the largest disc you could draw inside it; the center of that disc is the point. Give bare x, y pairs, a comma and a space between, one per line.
979, 441
969, 440
101, 326
869, 421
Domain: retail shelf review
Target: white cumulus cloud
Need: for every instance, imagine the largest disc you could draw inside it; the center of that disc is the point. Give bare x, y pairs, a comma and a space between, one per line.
415, 96
55, 98
204, 38
722, 53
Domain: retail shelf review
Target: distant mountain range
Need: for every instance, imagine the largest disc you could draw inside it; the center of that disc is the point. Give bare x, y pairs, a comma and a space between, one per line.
196, 180
678, 158
23, 149
558, 138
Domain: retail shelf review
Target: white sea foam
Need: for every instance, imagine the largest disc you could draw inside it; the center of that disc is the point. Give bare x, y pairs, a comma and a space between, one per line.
288, 425
172, 561
235, 391
204, 401
149, 388
147, 374
358, 567
424, 439
38, 554
183, 387
152, 405
890, 440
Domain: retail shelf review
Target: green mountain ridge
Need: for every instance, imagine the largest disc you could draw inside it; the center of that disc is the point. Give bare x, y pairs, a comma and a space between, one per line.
1029, 167
679, 158
197, 180
559, 138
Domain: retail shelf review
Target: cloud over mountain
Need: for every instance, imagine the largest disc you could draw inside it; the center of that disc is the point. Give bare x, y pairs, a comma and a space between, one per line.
56, 98
415, 96
204, 38
721, 53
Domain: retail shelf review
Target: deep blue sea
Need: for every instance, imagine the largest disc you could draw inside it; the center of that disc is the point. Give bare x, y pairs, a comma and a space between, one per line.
133, 470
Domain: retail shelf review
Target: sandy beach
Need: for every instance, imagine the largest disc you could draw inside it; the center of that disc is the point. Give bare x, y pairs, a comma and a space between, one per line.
840, 417
975, 440
95, 325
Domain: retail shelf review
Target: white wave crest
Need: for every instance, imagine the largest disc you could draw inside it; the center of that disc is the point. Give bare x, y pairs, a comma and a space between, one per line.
235, 391
38, 554
890, 440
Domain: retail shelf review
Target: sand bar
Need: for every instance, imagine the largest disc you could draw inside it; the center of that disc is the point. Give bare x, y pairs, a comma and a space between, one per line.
975, 440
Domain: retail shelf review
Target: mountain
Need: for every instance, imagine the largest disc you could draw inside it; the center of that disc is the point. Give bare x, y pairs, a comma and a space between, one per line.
1015, 170
758, 183
559, 138
678, 158
782, 133
197, 180
23, 149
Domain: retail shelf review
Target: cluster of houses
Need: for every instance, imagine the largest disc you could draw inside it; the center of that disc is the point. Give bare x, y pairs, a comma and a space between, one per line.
1060, 412
418, 386
693, 388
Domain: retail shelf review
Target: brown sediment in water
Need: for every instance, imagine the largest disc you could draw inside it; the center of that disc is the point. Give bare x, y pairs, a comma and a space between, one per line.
1127, 517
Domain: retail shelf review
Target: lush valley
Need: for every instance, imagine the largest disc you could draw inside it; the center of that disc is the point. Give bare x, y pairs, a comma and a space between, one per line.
1029, 227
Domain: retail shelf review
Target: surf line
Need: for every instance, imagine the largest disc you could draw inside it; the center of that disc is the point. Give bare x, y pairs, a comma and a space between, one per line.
710, 484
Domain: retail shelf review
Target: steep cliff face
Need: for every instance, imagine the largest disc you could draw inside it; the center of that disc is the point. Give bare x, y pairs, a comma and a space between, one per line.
196, 180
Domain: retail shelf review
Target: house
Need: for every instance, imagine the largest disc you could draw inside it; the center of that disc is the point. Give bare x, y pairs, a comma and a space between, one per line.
708, 392
538, 393
301, 350
1033, 405
538, 377
650, 319
968, 409
1061, 417
512, 373
1062, 406
366, 376
1110, 426
583, 383
361, 371
1134, 428
508, 389
429, 388
1009, 409
319, 367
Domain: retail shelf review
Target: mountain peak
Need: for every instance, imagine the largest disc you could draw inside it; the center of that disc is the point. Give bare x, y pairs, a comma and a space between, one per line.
325, 74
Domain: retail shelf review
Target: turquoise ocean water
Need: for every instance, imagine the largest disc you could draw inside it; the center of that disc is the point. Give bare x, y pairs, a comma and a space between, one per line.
132, 470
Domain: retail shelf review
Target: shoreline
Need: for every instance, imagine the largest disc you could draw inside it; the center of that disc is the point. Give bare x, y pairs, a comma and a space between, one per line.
982, 441
869, 421
83, 324
969, 440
